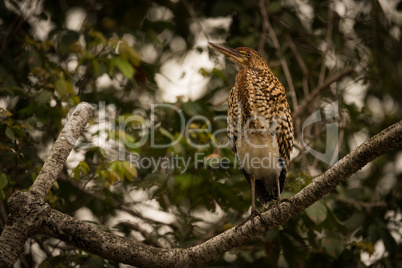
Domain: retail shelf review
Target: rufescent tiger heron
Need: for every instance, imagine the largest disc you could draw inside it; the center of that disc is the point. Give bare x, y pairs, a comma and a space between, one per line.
260, 125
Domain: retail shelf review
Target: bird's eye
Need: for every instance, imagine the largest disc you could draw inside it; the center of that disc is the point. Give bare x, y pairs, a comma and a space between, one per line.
248, 55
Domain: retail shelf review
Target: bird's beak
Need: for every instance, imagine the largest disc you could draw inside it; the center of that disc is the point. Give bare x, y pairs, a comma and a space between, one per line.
233, 54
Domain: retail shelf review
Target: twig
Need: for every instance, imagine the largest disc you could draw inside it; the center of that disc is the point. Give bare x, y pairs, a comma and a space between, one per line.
13, 31
366, 205
306, 104
191, 11
42, 245
297, 55
114, 203
301, 63
328, 40
305, 72
147, 235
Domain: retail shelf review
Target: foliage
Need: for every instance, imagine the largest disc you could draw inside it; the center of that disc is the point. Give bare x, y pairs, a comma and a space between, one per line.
126, 44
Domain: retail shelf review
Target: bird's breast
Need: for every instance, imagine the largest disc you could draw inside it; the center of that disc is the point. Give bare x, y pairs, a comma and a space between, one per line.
258, 154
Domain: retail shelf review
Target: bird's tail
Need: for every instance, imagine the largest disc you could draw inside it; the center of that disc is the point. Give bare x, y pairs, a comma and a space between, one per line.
263, 195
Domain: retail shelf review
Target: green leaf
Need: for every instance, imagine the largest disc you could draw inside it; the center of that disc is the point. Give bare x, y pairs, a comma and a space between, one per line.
317, 212
130, 171
204, 72
123, 65
124, 169
63, 87
125, 137
192, 108
365, 246
98, 68
129, 53
46, 264
333, 246
184, 181
166, 133
44, 97
3, 183
31, 123
66, 40
274, 7
2, 195
4, 113
81, 169
3, 180
10, 134
98, 38
332, 222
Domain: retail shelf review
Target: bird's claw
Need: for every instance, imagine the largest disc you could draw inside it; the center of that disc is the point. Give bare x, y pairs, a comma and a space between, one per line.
277, 205
254, 213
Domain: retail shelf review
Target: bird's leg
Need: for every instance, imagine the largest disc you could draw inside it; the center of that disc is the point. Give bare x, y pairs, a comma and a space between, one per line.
254, 211
279, 200
278, 197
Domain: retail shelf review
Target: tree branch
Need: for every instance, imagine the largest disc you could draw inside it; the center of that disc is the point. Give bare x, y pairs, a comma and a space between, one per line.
328, 40
27, 208
307, 102
301, 63
368, 206
32, 216
138, 254
61, 149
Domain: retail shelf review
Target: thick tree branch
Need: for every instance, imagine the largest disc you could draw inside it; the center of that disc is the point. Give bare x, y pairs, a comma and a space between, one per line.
61, 149
29, 209
135, 253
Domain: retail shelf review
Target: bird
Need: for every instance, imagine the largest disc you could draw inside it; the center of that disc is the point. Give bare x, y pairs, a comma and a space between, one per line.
259, 125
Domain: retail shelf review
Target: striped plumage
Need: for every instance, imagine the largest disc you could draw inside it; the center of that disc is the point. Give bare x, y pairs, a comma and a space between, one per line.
260, 125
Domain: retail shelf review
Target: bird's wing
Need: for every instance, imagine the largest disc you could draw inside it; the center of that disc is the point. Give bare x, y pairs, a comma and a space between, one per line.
232, 119
279, 116
239, 103
284, 130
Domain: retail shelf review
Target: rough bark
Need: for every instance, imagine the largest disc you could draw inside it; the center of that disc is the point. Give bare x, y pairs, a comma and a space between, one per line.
30, 215
61, 149
27, 209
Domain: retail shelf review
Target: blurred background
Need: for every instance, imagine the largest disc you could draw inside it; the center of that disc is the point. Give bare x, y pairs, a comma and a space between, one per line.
147, 69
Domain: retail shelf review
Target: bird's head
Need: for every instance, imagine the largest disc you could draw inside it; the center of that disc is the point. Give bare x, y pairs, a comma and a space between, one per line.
244, 57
